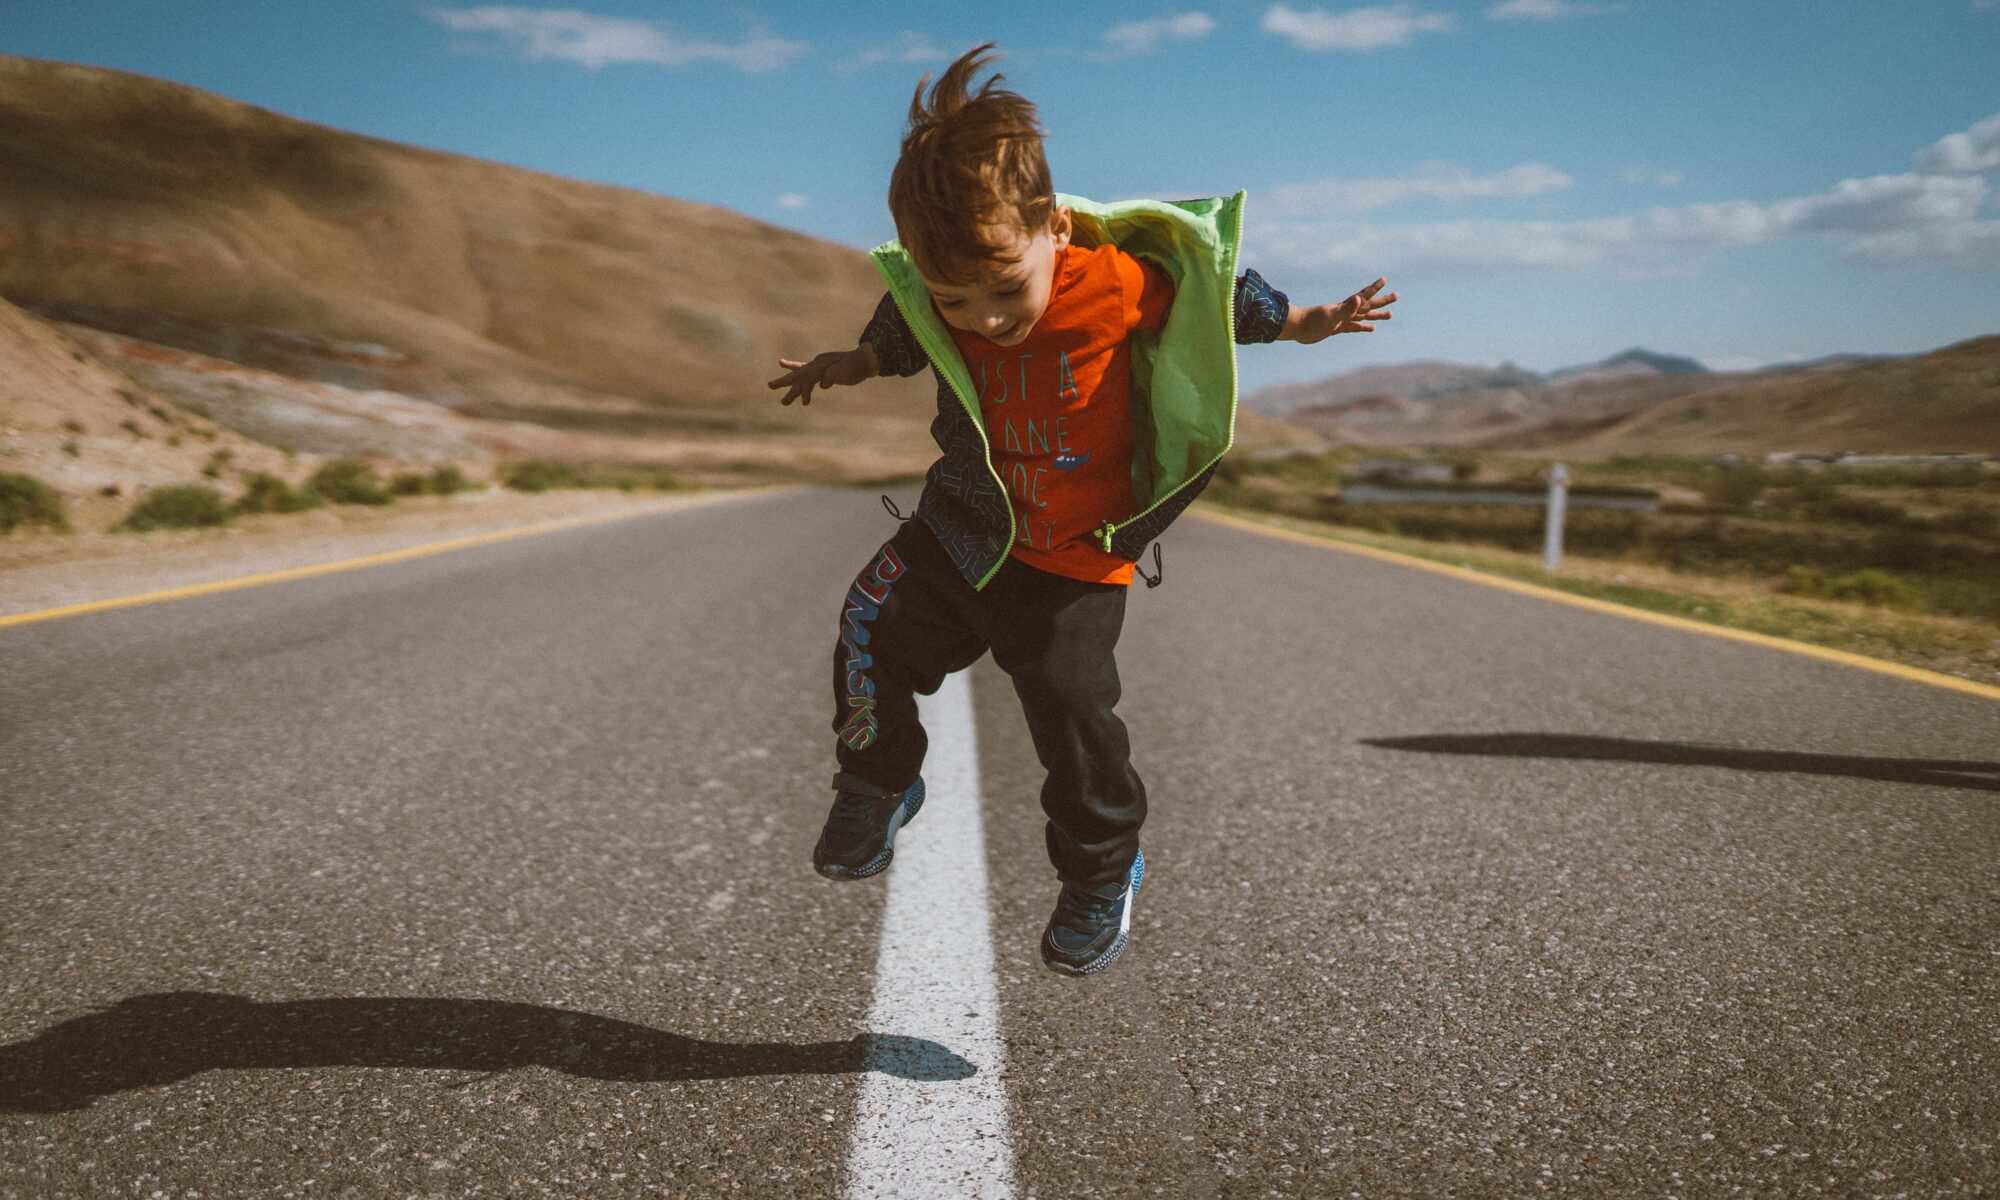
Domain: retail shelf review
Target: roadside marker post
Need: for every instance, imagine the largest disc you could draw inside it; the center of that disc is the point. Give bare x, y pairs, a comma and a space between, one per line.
1552, 532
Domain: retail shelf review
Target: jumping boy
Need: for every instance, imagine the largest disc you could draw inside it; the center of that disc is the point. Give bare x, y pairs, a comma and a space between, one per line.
1086, 390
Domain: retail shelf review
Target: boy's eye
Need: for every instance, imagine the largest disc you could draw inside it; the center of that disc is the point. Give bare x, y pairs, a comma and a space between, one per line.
1010, 292
943, 303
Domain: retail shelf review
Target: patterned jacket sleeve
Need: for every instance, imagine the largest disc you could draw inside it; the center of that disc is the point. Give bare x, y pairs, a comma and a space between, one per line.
896, 347
1260, 309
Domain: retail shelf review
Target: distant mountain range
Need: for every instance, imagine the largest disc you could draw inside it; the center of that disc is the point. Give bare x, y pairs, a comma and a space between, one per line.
1635, 361
1641, 401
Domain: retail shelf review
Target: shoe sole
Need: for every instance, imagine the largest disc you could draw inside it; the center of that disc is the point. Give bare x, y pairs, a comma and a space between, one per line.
913, 801
1117, 945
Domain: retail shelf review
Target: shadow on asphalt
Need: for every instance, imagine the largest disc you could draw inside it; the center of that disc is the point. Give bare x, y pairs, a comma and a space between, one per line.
1938, 772
147, 1041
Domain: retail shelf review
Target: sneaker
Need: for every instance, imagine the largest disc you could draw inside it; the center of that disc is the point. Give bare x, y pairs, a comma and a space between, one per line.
1090, 926
860, 834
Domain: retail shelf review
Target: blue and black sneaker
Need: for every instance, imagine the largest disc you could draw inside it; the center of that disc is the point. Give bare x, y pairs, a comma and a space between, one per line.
1090, 926
860, 834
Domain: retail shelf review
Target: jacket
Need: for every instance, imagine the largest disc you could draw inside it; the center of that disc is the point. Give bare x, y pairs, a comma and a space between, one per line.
1183, 377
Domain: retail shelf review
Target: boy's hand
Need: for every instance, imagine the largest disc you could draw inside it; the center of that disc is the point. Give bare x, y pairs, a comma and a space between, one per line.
1352, 315
844, 367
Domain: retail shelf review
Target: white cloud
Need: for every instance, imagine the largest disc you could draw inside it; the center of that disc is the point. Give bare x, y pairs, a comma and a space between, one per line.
1971, 244
1432, 181
1540, 10
1652, 176
1144, 37
1883, 204
794, 201
1357, 30
1884, 221
589, 40
907, 48
1969, 153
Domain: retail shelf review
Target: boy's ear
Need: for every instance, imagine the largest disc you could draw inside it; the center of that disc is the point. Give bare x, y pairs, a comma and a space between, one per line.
1060, 227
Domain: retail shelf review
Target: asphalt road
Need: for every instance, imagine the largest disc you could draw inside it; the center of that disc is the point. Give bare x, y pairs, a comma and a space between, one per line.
487, 874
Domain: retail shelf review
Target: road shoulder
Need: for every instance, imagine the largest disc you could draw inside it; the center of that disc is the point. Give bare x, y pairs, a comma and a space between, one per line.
49, 571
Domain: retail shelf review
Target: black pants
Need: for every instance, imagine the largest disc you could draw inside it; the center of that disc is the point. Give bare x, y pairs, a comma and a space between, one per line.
910, 619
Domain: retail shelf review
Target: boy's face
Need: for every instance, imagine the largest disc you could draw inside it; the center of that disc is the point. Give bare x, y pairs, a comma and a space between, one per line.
1011, 294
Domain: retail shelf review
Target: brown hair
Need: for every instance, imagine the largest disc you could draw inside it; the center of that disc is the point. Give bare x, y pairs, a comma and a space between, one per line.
970, 159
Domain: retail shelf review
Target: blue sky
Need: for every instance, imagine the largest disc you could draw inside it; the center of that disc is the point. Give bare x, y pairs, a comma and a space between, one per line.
1543, 181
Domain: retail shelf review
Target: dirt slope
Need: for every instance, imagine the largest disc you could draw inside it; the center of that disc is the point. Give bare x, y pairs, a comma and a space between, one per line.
541, 295
78, 425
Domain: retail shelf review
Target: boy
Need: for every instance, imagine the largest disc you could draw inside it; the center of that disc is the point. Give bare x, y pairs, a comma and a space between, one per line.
1086, 390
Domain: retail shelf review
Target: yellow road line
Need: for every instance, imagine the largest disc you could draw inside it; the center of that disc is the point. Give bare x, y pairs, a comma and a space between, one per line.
1878, 665
371, 560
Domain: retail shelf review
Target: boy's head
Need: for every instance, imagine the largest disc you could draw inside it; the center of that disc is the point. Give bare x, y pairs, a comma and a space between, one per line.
973, 203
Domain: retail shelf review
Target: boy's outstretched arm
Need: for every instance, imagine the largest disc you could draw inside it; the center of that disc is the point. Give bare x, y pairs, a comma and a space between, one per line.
1355, 314
843, 367
888, 347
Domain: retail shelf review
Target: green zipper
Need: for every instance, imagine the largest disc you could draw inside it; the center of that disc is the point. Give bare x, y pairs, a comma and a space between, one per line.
938, 354
1234, 240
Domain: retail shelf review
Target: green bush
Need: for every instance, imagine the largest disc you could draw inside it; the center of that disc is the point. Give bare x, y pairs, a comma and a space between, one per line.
183, 506
25, 500
539, 475
266, 493
349, 481
444, 481
1804, 581
1878, 589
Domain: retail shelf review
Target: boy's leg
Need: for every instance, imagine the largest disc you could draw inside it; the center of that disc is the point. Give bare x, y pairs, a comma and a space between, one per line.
903, 627
1056, 638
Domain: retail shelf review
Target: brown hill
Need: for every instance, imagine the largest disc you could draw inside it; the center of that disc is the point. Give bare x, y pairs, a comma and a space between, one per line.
124, 198
1947, 400
88, 430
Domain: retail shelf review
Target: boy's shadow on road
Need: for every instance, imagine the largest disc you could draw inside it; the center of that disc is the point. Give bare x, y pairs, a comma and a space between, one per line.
1957, 773
147, 1041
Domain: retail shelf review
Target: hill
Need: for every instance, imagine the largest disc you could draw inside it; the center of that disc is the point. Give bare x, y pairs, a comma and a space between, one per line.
1947, 400
1634, 362
164, 215
1638, 402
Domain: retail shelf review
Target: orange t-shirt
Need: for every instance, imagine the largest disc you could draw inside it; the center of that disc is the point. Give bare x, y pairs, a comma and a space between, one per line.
1058, 412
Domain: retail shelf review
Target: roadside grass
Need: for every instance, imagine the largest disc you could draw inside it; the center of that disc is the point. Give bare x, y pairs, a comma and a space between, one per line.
541, 475
26, 500
349, 481
1920, 536
266, 493
1962, 646
180, 506
444, 481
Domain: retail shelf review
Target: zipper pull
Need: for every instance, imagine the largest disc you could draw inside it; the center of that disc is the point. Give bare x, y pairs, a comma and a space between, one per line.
1104, 535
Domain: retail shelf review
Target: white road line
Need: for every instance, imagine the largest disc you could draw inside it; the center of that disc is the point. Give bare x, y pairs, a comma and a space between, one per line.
933, 1111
